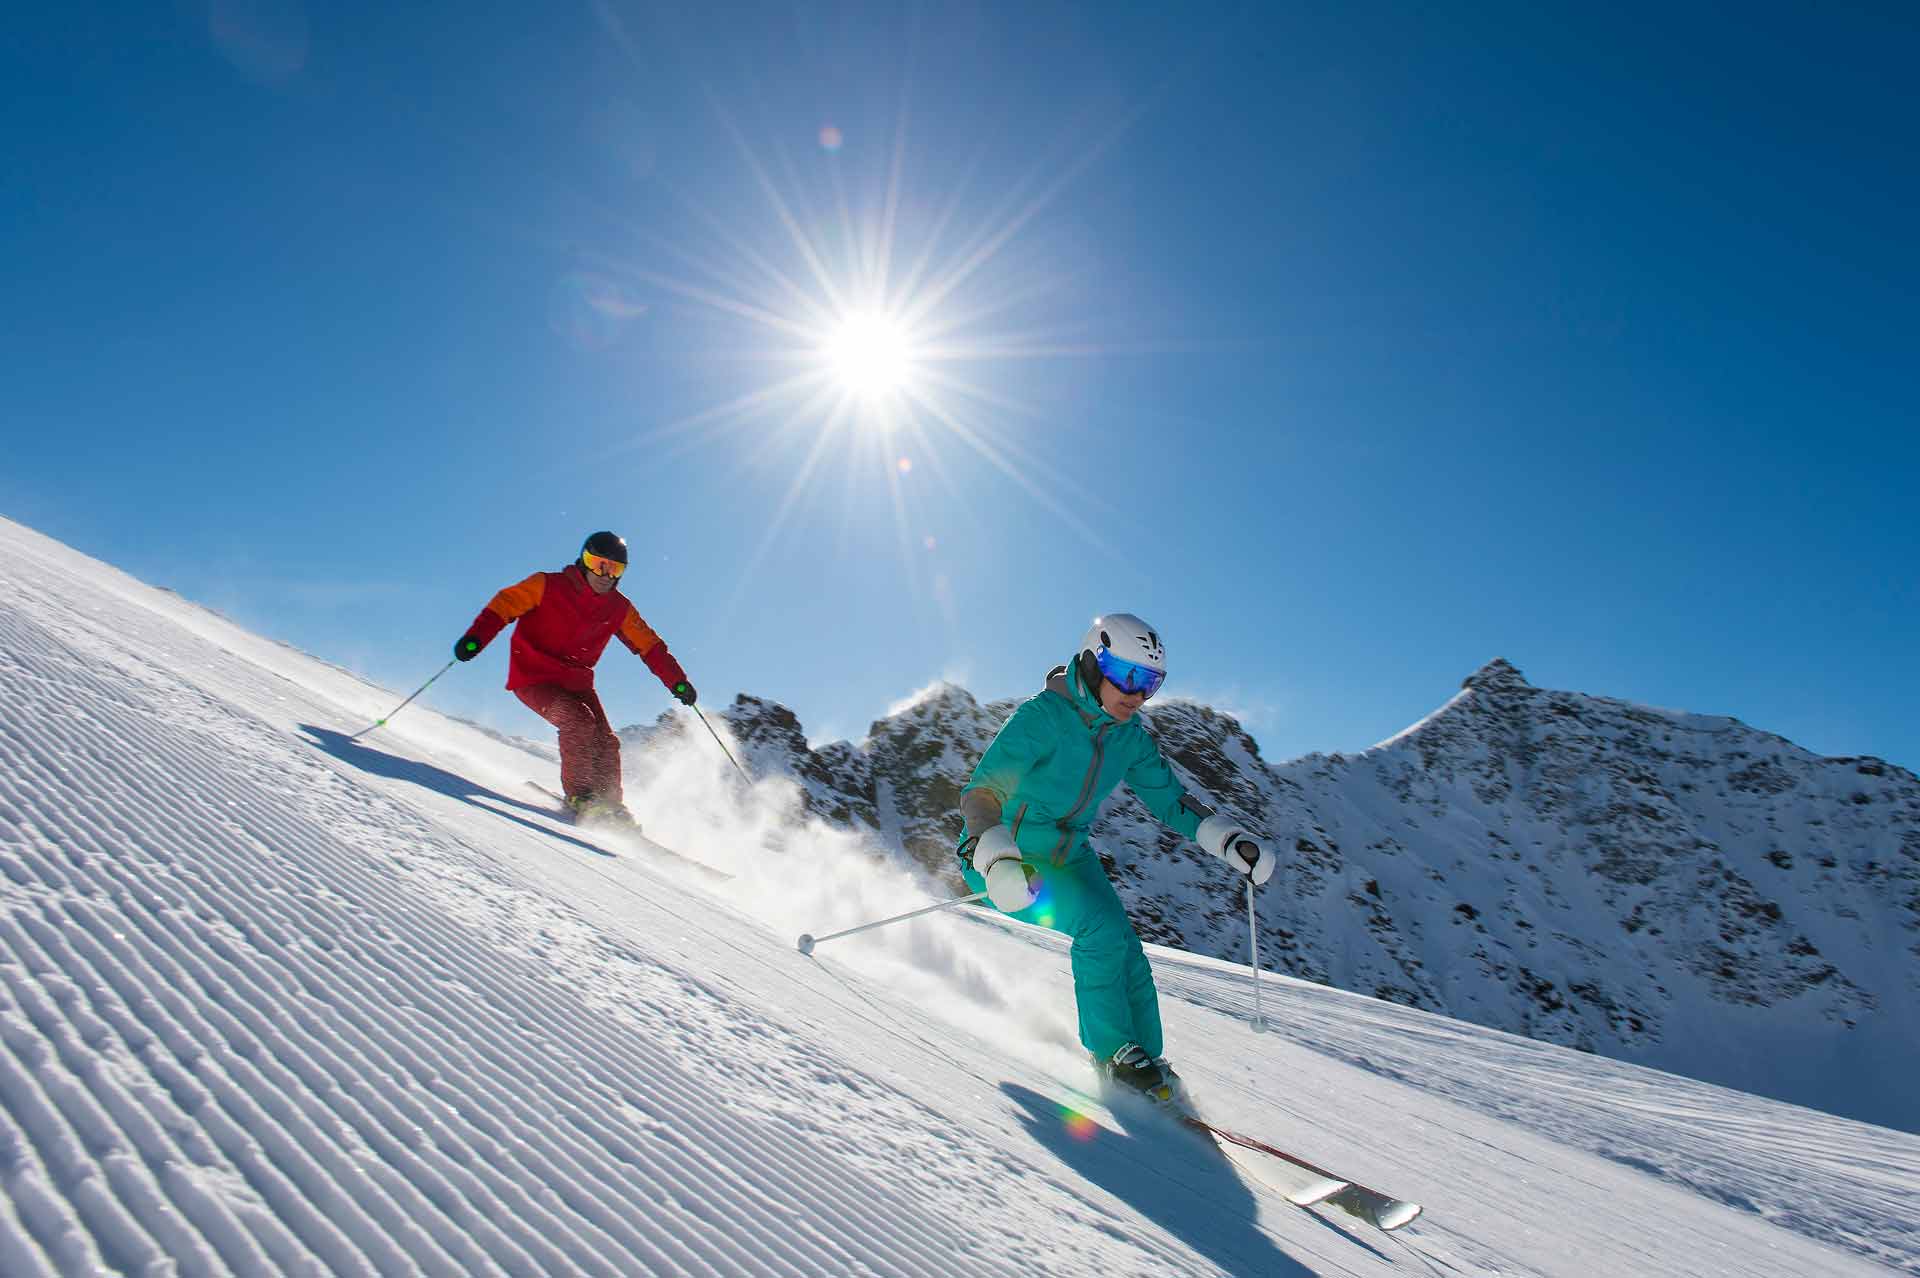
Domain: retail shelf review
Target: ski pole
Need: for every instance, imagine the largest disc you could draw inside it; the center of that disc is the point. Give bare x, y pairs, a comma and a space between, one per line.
808, 940
723, 745
380, 723
1253, 944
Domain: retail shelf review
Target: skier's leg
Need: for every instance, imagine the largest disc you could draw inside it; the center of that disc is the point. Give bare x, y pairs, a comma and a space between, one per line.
574, 721
1143, 997
1113, 986
1112, 982
604, 749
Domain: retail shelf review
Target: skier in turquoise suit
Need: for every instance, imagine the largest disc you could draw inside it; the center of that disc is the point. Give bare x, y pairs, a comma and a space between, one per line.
1027, 809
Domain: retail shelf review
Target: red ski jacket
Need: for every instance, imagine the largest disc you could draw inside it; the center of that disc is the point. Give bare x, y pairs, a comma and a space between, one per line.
564, 627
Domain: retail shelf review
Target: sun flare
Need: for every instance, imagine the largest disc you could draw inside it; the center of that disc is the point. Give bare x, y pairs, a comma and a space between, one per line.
870, 355
889, 329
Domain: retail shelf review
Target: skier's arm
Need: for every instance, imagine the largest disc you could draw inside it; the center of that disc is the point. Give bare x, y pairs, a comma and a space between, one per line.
1154, 784
1020, 744
652, 649
511, 604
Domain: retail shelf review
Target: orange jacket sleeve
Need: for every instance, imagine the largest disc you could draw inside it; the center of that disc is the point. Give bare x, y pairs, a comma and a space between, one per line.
650, 648
511, 604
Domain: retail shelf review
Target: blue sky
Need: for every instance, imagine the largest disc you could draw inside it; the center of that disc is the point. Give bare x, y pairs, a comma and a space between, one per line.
1352, 345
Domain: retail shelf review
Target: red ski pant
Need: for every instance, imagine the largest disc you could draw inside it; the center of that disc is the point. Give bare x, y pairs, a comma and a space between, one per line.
589, 752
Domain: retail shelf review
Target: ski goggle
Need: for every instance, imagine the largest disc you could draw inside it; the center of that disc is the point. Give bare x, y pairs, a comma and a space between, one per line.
1129, 676
601, 564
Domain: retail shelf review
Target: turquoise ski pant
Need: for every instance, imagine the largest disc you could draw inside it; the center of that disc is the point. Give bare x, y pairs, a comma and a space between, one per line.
1112, 984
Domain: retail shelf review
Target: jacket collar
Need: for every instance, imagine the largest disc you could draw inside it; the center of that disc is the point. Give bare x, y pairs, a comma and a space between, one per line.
1065, 681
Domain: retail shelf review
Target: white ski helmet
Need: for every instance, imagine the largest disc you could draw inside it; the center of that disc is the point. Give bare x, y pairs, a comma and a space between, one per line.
1124, 650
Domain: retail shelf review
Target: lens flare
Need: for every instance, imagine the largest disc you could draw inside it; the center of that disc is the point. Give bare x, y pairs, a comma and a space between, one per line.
1079, 1126
1041, 911
830, 138
590, 310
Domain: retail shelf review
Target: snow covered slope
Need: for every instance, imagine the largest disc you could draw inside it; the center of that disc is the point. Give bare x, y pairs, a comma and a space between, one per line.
274, 1001
1672, 889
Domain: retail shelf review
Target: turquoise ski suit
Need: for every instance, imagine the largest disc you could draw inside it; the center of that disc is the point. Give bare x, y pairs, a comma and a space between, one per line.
1045, 776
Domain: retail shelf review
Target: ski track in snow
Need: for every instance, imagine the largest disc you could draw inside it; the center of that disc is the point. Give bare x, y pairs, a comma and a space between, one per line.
273, 1002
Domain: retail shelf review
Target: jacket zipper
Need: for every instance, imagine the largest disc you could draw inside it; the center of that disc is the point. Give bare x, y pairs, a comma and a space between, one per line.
1086, 792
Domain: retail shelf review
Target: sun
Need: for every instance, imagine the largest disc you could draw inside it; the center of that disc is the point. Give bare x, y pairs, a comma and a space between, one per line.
886, 325
871, 355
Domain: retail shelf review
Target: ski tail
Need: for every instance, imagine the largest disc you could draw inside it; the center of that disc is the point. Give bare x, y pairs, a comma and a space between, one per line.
1308, 1184
1302, 1186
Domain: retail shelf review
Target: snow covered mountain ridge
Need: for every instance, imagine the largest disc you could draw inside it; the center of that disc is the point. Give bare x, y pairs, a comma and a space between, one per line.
1672, 889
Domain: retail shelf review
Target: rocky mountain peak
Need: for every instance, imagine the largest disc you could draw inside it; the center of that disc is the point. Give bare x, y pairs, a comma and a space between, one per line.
1498, 675
935, 697
755, 717
936, 705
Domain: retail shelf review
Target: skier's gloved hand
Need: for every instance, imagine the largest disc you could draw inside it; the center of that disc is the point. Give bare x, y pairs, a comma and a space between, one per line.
997, 860
1256, 858
1240, 850
684, 691
1010, 886
466, 648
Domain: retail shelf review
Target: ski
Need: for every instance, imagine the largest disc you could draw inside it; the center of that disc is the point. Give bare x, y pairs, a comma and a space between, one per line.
1318, 1185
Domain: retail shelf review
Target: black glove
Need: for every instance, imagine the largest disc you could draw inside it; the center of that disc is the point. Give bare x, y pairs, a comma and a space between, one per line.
466, 648
684, 691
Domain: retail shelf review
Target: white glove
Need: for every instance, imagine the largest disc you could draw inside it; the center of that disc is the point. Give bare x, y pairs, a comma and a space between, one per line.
997, 860
1236, 847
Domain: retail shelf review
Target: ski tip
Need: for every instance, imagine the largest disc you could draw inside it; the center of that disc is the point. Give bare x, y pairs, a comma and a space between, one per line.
1395, 1214
1374, 1207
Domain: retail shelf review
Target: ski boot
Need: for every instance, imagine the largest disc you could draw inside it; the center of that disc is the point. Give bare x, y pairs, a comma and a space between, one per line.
1131, 1070
605, 813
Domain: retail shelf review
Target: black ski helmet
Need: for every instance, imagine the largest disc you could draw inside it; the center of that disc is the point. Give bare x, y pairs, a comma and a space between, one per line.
605, 544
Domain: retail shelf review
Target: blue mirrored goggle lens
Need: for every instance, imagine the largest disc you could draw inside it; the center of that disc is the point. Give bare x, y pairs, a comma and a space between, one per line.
1129, 676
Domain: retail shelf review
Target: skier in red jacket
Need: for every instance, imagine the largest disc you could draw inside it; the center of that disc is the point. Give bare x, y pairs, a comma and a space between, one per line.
566, 619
